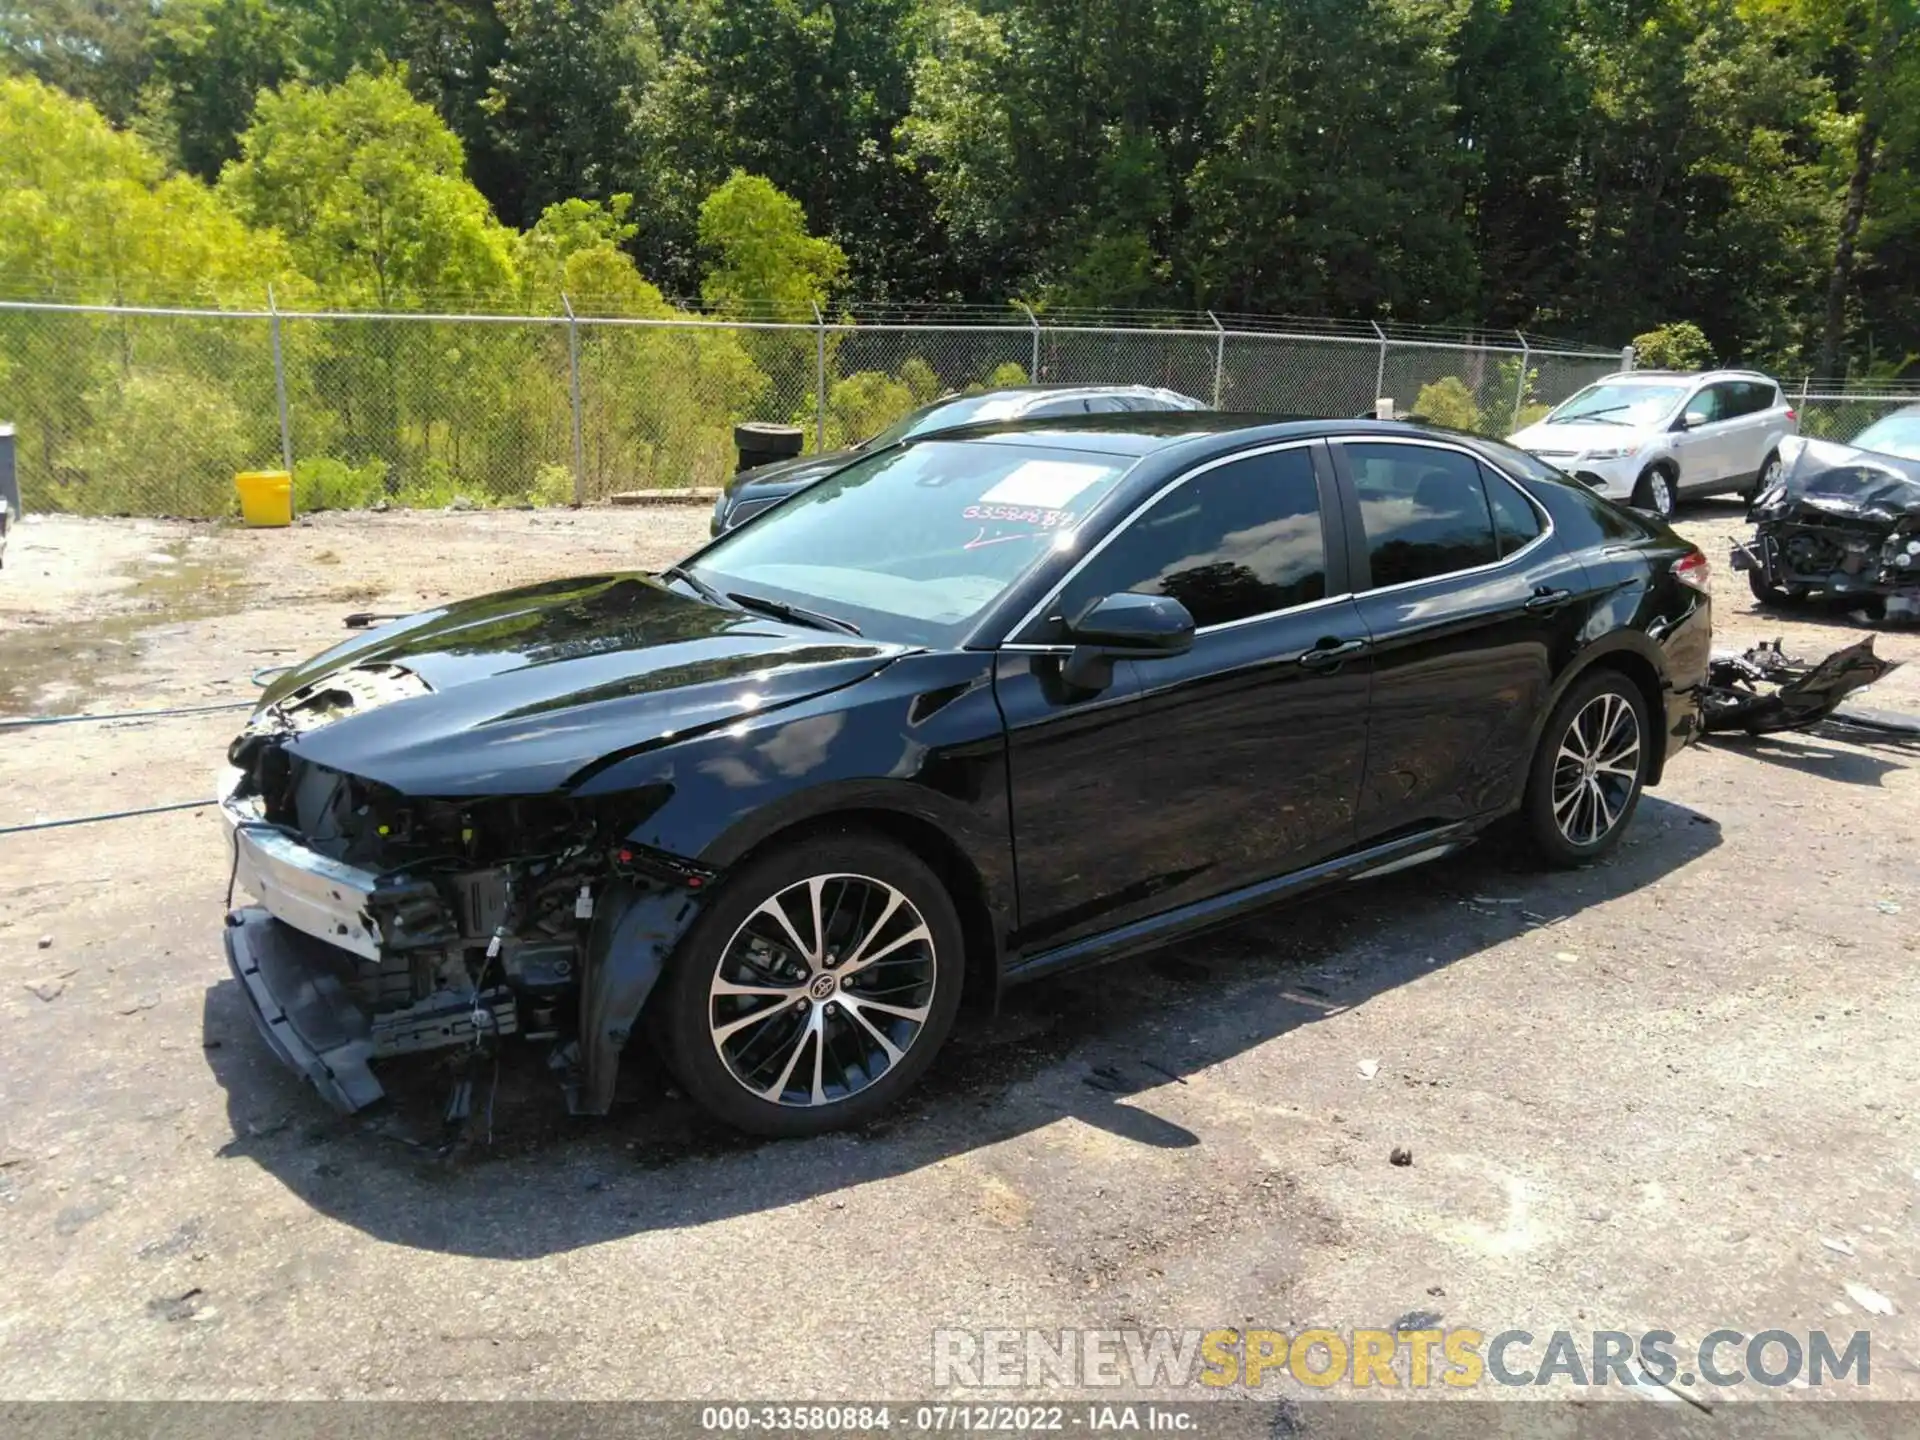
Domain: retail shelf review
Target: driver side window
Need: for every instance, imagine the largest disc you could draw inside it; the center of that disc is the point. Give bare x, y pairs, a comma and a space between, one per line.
1240, 540
1710, 403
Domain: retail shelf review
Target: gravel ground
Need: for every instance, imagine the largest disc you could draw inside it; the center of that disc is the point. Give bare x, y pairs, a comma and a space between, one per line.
1676, 1091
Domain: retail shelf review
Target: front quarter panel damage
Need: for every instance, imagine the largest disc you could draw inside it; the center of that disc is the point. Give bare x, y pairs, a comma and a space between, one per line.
921, 739
633, 935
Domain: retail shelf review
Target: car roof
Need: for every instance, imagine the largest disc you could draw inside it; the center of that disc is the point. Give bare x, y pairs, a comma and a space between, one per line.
1143, 433
1031, 395
1630, 377
1068, 387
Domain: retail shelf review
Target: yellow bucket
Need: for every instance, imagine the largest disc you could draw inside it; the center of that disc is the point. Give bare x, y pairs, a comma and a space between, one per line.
266, 496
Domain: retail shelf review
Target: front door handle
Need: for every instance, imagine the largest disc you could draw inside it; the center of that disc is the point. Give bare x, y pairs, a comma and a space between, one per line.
1332, 654
1545, 601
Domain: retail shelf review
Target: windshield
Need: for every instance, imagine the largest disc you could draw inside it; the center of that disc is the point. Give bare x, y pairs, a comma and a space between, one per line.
914, 543
945, 414
1618, 404
1897, 435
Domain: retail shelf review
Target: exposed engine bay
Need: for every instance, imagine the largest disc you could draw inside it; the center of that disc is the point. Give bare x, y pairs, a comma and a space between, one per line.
1764, 690
390, 925
1841, 520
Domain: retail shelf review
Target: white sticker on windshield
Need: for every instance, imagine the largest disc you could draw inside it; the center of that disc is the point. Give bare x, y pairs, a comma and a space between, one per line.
1047, 483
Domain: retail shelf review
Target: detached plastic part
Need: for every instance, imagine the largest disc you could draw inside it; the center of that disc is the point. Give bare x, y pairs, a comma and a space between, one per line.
302, 1008
1801, 696
634, 933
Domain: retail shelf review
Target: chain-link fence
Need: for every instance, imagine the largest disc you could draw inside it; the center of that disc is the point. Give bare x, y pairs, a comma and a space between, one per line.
1841, 409
152, 412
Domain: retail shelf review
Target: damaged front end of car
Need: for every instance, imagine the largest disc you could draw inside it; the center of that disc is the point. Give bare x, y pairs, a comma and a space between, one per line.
387, 925
1840, 520
491, 823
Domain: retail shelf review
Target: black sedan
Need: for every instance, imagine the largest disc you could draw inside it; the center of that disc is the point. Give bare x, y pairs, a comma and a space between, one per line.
765, 486
973, 710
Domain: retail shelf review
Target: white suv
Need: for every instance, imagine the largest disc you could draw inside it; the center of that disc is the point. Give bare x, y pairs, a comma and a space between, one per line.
1652, 437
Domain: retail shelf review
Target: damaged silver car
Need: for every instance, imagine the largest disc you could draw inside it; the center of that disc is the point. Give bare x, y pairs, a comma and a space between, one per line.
1842, 520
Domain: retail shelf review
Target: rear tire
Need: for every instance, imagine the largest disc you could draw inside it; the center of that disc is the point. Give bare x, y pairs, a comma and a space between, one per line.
1656, 490
1589, 771
778, 1030
1770, 469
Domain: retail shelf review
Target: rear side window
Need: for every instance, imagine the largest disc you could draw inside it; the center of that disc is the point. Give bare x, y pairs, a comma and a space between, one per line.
1424, 511
1240, 540
1757, 395
1515, 522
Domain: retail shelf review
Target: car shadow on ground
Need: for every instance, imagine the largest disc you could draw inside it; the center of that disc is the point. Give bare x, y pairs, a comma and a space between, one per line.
1867, 760
1083, 1046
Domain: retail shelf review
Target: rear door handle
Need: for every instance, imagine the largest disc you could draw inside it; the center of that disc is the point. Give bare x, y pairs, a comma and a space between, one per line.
1331, 655
1544, 601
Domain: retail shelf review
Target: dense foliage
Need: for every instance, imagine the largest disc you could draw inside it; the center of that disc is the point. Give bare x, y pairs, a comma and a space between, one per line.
1588, 167
1591, 168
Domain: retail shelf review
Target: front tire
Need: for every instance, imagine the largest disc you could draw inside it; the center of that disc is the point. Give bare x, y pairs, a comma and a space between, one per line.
1657, 491
815, 988
1590, 770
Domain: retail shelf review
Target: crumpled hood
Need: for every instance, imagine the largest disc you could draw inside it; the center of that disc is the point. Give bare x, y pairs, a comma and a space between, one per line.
1845, 481
1576, 438
527, 688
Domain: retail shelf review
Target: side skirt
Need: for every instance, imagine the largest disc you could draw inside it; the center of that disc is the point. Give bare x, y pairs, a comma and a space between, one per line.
1399, 854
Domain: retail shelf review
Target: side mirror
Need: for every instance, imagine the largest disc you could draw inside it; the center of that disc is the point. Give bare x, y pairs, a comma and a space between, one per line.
1124, 626
1691, 419
1135, 625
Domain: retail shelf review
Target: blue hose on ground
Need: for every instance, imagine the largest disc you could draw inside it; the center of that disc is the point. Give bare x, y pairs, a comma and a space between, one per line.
112, 815
261, 677
27, 720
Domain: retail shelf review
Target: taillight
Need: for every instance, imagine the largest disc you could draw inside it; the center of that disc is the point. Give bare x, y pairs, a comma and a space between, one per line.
1793, 417
1692, 570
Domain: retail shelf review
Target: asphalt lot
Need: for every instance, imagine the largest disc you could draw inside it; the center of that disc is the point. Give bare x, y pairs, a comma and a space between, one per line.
1676, 1091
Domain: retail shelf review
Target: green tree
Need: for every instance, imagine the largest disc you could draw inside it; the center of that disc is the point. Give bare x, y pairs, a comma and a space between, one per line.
1679, 346
89, 213
1870, 51
562, 97
1333, 185
763, 257
211, 59
95, 50
810, 94
368, 186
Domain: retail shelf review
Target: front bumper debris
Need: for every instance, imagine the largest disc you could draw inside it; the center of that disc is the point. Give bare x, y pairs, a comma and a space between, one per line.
1764, 690
300, 887
300, 1003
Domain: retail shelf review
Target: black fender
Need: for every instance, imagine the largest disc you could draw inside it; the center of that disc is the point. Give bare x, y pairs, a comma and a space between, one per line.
922, 741
634, 931
1608, 649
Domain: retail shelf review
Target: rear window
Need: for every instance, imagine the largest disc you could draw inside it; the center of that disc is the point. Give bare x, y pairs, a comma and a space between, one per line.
1424, 511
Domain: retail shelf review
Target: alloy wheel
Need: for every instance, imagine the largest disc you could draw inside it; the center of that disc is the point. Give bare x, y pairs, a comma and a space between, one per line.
822, 990
1660, 492
1597, 769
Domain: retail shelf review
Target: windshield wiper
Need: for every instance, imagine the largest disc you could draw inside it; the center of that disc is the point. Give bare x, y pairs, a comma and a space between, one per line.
1599, 415
780, 610
700, 587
